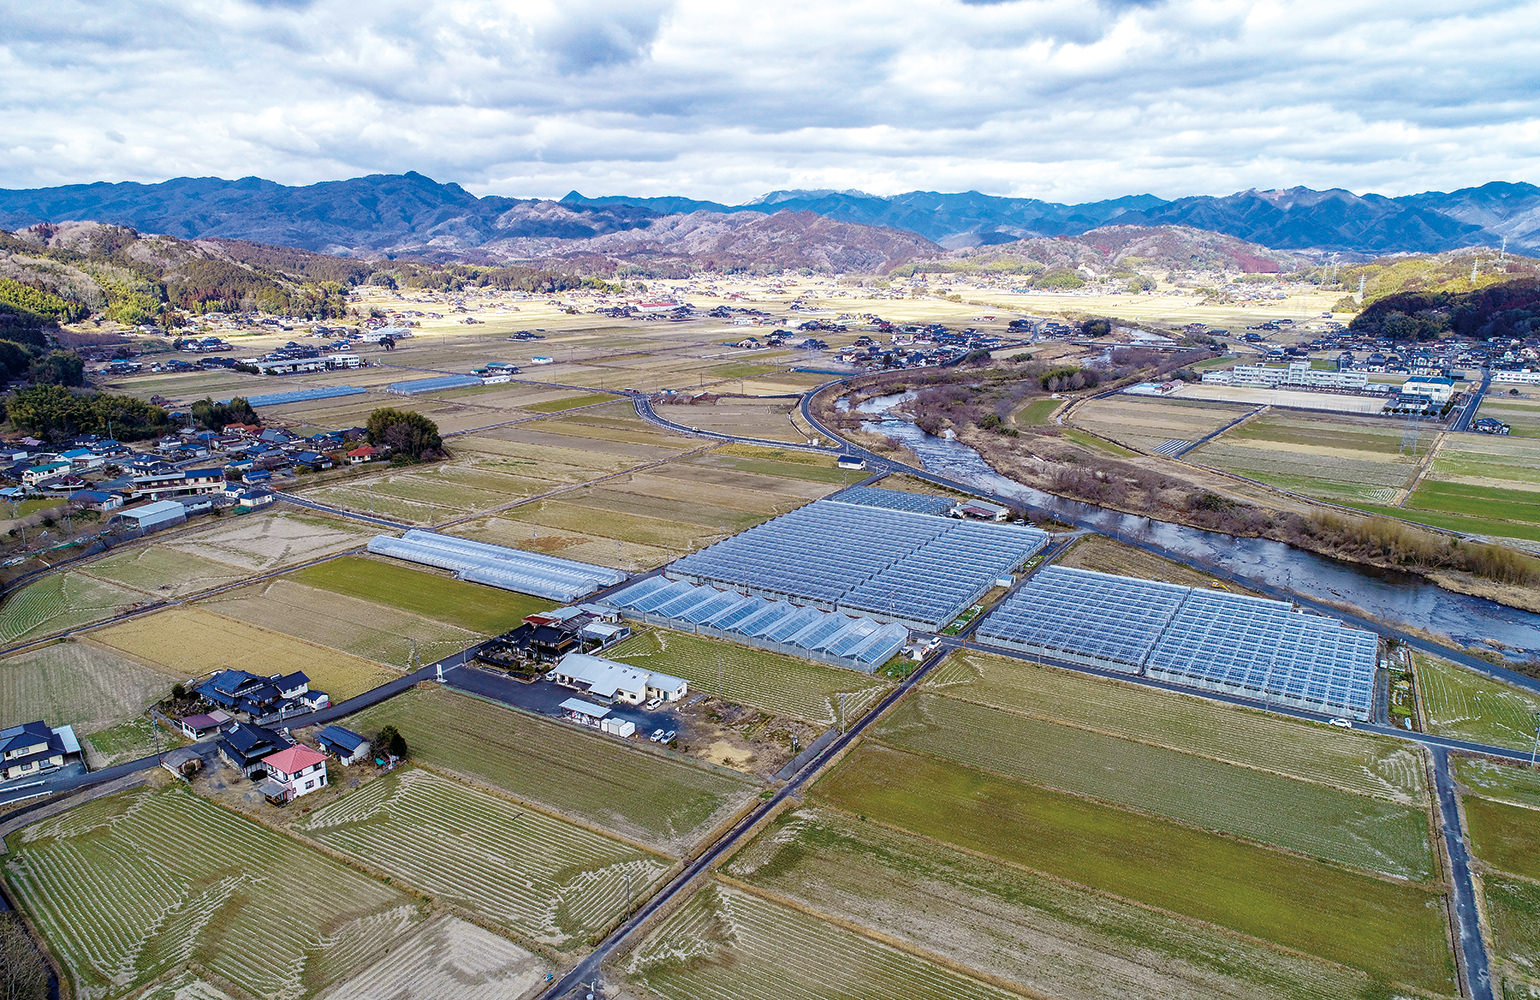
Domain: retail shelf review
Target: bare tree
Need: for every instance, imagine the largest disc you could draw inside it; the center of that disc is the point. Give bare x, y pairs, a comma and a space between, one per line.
23, 974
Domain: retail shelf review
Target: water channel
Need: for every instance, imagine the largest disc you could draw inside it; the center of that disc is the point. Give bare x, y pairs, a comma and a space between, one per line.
1395, 597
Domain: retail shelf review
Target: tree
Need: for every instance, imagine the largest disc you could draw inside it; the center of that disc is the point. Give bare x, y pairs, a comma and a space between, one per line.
405, 433
213, 416
58, 368
391, 741
23, 973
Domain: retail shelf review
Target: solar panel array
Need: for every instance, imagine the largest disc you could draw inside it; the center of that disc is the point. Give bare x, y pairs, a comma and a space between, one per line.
1198, 638
303, 395
499, 566
890, 564
412, 387
830, 637
871, 496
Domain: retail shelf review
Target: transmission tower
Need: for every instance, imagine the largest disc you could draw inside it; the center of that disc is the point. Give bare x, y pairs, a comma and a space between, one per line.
1409, 436
1502, 255
1474, 266
1362, 279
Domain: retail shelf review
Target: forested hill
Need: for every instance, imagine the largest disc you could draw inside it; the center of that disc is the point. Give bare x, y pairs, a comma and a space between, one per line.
1509, 309
51, 274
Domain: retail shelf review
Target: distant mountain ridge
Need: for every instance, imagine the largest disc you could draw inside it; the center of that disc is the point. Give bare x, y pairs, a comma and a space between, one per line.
409, 214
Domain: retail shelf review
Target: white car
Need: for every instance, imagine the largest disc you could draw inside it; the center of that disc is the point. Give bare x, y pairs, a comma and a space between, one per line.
657, 736
653, 704
1344, 723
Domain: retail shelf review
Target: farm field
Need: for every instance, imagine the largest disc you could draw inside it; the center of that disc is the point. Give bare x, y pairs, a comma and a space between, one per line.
644, 796
1102, 554
1380, 927
775, 682
194, 642
163, 571
448, 957
1461, 703
1514, 908
769, 419
547, 880
1348, 759
1506, 837
358, 627
61, 601
474, 607
1050, 938
1506, 782
1298, 399
1036, 412
261, 542
1149, 423
182, 881
727, 944
1333, 458
78, 683
568, 402
1522, 415
1300, 816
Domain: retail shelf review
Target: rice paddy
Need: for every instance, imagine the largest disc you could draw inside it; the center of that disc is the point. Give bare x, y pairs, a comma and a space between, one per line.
1332, 458
1461, 703
1150, 424
547, 880
128, 888
658, 800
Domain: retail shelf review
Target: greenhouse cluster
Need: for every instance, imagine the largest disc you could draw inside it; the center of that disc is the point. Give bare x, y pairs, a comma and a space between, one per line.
893, 565
303, 395
1191, 636
829, 637
412, 387
498, 566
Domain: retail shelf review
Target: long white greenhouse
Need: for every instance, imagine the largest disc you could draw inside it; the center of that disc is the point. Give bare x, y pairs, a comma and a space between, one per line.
498, 565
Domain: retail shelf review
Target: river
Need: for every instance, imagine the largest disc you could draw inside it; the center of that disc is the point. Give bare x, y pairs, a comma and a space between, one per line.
1395, 597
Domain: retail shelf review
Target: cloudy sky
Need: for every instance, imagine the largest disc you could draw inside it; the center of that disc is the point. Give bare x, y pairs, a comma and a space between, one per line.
1055, 99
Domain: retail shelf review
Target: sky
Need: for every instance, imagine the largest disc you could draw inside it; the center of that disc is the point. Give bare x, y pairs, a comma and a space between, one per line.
1066, 101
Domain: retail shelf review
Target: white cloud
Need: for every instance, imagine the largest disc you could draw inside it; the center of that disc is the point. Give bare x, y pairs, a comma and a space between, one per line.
714, 99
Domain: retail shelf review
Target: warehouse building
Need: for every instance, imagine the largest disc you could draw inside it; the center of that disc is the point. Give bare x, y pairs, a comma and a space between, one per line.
613, 681
153, 516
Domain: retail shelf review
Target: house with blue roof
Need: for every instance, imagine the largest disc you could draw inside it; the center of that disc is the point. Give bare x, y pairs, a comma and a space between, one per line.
344, 744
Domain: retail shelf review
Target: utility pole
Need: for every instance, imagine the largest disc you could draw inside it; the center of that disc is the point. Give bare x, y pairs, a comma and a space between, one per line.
1536, 748
719, 672
842, 711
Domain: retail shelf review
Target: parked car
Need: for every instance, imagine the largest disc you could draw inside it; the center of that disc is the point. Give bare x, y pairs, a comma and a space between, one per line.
653, 704
668, 736
657, 736
1344, 723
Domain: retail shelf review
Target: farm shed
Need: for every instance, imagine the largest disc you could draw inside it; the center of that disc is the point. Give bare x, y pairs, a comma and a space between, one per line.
583, 712
152, 516
346, 745
183, 762
607, 679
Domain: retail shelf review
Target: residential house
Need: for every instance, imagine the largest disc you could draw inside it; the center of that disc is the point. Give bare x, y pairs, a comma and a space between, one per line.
603, 678
34, 748
245, 746
363, 453
292, 772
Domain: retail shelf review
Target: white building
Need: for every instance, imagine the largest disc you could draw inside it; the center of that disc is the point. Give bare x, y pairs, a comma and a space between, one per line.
292, 772
1525, 376
1298, 373
607, 679
1438, 390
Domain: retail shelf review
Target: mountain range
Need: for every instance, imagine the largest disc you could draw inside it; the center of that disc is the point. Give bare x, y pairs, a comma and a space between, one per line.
409, 214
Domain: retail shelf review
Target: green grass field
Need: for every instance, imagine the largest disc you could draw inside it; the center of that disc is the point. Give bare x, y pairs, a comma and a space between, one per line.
1334, 458
1462, 704
1049, 937
547, 880
1036, 413
1392, 929
657, 800
1489, 779
772, 681
570, 402
1514, 908
1301, 816
1506, 837
1355, 761
473, 606
136, 885
726, 944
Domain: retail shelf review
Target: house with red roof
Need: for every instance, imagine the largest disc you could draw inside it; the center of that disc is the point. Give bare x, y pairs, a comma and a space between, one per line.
363, 453
292, 772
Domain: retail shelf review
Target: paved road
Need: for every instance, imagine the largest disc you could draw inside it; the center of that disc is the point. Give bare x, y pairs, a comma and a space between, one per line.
1467, 919
1467, 413
646, 412
1205, 439
590, 967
